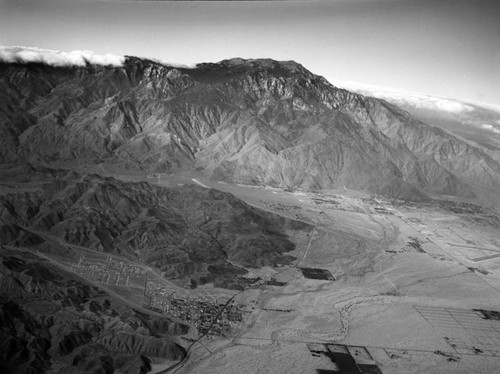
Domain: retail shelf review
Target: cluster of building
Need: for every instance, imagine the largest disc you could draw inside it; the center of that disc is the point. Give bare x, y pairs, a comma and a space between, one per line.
208, 316
109, 270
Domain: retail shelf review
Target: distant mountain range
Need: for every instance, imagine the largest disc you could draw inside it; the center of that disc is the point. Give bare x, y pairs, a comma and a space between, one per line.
246, 121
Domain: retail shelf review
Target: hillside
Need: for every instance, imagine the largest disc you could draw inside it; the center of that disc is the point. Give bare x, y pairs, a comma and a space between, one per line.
189, 233
53, 321
475, 122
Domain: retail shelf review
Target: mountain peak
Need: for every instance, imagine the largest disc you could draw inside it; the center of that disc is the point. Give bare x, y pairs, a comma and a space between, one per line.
278, 67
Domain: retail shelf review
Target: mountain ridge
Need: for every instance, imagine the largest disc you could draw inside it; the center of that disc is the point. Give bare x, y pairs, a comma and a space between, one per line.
246, 121
475, 122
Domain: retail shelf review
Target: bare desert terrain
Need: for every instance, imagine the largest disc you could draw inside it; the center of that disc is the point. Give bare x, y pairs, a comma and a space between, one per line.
409, 290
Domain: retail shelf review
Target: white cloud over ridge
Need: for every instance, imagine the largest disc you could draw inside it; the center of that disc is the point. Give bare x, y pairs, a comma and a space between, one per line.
175, 64
73, 58
58, 58
408, 98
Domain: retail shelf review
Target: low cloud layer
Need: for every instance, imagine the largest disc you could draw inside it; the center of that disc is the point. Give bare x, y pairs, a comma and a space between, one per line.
174, 64
409, 98
58, 58
492, 128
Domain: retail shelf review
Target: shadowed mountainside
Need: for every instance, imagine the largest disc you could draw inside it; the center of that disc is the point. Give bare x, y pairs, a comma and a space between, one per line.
51, 320
189, 233
250, 121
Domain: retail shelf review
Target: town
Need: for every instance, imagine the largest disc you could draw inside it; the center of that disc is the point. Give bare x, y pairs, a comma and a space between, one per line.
213, 317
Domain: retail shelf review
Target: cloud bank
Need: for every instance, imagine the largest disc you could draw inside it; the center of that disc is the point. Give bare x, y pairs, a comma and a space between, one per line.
489, 127
409, 98
171, 63
58, 58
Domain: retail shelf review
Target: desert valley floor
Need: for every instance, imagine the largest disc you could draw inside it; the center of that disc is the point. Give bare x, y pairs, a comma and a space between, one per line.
413, 284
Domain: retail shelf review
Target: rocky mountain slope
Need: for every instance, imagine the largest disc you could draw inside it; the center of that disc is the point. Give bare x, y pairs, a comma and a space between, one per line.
191, 234
53, 321
478, 123
250, 121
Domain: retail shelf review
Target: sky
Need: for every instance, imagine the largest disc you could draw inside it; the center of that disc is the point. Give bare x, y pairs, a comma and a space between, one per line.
447, 48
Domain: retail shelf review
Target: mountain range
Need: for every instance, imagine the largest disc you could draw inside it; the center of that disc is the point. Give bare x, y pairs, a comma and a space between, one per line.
244, 121
260, 122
